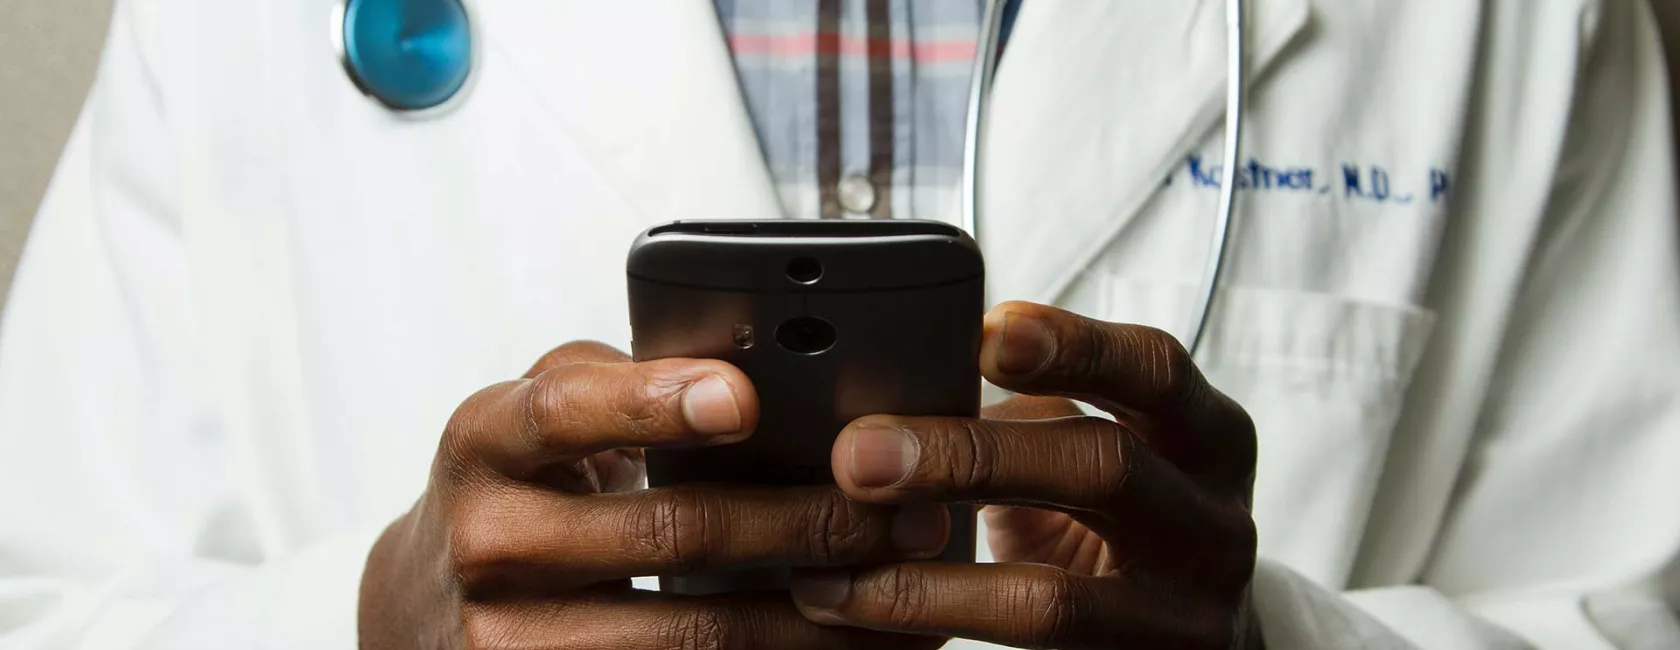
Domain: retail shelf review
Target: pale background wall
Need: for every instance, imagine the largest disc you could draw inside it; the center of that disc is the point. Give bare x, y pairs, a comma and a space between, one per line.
48, 50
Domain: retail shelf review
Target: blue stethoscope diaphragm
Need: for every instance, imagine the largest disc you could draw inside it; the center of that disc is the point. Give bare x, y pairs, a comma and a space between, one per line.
412, 56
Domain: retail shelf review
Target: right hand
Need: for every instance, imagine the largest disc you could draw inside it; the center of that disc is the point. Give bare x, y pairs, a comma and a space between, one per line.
533, 522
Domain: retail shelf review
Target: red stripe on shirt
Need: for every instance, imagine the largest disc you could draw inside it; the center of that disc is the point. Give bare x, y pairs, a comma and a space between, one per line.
858, 46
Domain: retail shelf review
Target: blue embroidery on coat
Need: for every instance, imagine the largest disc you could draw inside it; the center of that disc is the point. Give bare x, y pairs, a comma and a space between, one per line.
1355, 182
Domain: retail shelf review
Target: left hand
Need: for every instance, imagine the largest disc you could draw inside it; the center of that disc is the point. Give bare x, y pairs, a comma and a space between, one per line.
1135, 533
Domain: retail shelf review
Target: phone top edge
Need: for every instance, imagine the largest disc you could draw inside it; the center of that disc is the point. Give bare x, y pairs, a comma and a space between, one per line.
778, 288
800, 228
851, 255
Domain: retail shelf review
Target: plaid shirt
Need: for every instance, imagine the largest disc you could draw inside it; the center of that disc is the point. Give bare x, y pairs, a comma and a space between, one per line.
859, 105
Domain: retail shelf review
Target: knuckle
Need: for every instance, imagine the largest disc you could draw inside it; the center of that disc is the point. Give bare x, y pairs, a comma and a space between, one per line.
640, 417
1241, 556
839, 532
1118, 452
906, 598
1049, 609
1246, 537
477, 549
699, 628
458, 448
548, 404
480, 632
974, 456
652, 395
481, 629
678, 528
1244, 436
1097, 350
1167, 364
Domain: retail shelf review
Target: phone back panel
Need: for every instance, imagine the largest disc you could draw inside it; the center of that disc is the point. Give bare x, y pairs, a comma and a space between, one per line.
905, 313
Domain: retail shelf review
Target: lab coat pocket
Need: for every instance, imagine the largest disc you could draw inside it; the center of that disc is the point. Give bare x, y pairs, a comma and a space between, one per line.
1324, 377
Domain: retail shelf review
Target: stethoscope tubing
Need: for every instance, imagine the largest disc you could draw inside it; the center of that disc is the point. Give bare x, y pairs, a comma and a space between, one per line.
979, 98
1236, 97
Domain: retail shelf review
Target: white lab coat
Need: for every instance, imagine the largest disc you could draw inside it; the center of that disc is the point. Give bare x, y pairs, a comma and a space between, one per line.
253, 297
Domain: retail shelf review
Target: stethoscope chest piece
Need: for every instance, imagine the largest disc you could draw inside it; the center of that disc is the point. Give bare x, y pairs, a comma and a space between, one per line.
416, 57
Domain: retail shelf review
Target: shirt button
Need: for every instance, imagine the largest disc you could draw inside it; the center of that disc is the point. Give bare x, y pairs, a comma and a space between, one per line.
857, 194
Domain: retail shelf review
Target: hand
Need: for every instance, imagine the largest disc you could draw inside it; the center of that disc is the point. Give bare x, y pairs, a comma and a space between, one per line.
1127, 534
532, 527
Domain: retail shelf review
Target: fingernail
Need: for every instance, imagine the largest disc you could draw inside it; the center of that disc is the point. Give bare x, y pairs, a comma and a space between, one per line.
882, 457
1024, 345
920, 529
823, 591
709, 407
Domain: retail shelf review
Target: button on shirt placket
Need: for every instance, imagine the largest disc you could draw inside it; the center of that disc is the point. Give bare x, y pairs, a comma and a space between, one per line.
858, 104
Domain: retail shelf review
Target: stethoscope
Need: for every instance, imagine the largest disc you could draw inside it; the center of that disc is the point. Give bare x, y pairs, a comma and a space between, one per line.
417, 58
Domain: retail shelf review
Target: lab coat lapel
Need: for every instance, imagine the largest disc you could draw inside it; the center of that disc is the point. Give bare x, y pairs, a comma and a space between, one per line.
1094, 103
647, 89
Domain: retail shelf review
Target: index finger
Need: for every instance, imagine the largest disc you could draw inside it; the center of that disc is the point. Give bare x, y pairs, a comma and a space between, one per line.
1018, 605
1133, 372
577, 352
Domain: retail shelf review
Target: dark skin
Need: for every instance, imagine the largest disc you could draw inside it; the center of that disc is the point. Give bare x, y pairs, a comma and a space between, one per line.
1134, 533
532, 524
1127, 533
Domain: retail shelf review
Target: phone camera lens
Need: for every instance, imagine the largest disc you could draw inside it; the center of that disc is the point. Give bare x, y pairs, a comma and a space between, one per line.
805, 270
806, 335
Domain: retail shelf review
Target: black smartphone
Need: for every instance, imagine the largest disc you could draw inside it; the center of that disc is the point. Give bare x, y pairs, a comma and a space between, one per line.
832, 320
